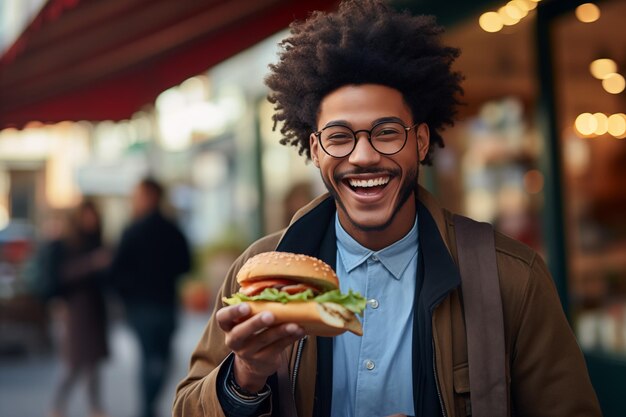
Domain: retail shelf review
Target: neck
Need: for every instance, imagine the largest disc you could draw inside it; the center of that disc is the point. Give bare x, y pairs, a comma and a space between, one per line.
377, 239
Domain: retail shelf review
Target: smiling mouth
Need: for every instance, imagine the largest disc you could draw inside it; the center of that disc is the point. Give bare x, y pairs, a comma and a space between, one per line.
367, 186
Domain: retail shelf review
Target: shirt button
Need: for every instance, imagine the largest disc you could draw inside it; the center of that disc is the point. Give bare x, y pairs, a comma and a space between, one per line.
369, 364
373, 303
374, 258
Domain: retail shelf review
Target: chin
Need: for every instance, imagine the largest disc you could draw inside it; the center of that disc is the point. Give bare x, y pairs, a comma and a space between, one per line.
373, 222
377, 216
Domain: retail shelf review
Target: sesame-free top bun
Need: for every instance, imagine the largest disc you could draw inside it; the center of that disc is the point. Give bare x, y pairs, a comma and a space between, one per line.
300, 268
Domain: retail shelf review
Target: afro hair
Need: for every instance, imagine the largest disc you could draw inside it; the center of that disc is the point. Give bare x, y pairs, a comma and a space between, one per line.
363, 42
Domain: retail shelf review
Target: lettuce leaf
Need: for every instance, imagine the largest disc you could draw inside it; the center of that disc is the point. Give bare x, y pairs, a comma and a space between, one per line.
353, 301
270, 294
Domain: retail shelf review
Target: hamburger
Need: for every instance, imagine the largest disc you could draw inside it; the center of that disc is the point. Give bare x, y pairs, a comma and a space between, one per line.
298, 289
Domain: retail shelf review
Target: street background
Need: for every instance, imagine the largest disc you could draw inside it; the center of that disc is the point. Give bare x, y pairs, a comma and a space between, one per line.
97, 94
26, 380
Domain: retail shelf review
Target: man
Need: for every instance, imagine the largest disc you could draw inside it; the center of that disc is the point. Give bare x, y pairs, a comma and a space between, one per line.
151, 257
365, 92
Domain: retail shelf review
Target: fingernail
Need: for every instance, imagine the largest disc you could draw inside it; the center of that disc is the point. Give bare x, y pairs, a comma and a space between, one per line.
293, 329
267, 317
244, 308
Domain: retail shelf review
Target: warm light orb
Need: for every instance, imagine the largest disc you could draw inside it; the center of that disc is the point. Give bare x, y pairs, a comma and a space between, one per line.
587, 13
506, 18
515, 11
586, 124
603, 124
614, 83
532, 5
525, 5
490, 22
617, 125
600, 68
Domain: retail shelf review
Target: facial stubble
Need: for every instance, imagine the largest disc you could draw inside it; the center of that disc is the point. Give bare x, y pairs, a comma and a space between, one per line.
407, 189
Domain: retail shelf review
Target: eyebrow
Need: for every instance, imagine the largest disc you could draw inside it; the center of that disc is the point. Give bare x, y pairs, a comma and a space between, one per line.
387, 119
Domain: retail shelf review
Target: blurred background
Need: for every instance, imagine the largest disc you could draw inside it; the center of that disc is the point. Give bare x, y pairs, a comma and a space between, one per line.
97, 94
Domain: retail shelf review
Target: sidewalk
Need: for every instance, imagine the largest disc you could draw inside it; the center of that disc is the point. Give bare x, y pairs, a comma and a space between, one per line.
26, 383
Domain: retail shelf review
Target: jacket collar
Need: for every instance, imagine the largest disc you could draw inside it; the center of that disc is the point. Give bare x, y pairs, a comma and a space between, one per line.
325, 206
312, 226
312, 232
441, 274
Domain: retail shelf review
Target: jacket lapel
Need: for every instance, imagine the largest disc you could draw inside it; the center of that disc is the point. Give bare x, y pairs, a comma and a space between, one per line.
314, 234
306, 234
437, 275
441, 274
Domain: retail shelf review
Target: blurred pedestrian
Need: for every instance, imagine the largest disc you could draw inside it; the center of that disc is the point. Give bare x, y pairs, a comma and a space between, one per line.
38, 271
151, 257
77, 264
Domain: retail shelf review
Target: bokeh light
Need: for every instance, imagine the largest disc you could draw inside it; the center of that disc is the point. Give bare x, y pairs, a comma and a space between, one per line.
588, 13
602, 122
602, 67
614, 83
507, 18
586, 124
490, 22
617, 125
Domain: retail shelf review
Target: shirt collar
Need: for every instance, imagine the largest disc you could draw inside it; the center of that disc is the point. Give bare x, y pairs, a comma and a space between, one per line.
395, 257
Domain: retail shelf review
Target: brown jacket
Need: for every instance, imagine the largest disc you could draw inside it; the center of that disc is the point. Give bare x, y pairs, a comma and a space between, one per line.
545, 368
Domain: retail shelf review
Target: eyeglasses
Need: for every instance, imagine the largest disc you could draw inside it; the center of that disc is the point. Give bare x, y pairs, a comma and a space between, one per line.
387, 138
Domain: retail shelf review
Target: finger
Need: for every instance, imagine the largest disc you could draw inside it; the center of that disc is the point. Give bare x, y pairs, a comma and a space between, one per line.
229, 317
241, 333
264, 362
272, 350
285, 333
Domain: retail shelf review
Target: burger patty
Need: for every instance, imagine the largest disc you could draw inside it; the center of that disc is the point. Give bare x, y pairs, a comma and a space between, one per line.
288, 286
338, 311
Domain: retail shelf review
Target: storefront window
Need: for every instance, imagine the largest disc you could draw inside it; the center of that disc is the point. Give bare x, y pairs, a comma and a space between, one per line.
489, 167
589, 73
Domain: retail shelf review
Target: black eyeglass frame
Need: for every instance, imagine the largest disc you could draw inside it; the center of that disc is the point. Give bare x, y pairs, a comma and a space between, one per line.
318, 134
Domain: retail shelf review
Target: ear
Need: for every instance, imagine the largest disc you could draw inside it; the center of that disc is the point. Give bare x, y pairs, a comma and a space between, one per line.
314, 147
423, 140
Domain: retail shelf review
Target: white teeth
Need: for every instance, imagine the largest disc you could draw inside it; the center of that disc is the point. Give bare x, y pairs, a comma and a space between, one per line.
369, 183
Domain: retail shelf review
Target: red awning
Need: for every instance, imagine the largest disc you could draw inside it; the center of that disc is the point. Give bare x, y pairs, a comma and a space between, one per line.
105, 59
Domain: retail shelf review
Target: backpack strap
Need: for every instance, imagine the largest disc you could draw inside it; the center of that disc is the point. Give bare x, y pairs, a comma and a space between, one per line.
484, 320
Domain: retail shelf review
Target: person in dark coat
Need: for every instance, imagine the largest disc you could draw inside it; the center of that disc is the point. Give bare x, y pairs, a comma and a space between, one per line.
152, 255
77, 265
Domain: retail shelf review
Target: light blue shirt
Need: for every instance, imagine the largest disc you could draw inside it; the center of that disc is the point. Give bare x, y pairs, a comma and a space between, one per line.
372, 374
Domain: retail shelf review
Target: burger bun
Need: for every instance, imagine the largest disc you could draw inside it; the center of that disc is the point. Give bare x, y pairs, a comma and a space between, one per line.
317, 319
296, 267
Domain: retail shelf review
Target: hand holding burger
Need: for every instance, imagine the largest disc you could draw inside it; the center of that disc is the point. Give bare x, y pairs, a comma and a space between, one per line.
298, 289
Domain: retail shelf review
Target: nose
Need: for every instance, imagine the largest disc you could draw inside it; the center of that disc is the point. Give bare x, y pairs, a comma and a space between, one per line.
364, 153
